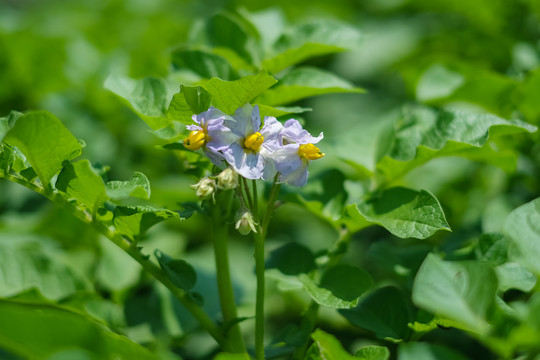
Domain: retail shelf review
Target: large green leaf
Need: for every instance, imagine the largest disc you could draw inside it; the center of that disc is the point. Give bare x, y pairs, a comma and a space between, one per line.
149, 97
45, 142
424, 134
427, 351
340, 286
190, 100
138, 186
231, 95
78, 181
460, 291
37, 331
522, 227
310, 40
224, 30
403, 212
134, 221
327, 347
203, 63
386, 312
304, 82
291, 259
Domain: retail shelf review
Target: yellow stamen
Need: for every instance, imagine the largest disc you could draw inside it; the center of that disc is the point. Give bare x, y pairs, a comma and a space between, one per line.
254, 141
310, 152
195, 140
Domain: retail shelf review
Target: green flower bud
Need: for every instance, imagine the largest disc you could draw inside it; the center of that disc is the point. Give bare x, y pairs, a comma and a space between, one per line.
227, 179
245, 223
204, 188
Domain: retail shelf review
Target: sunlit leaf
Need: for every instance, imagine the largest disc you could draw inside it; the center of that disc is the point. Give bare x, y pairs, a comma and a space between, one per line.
515, 276
45, 142
134, 221
138, 186
427, 351
403, 212
224, 30
190, 100
203, 63
327, 347
373, 352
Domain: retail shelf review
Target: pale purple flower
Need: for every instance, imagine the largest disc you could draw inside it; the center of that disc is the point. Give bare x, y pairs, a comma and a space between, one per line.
253, 144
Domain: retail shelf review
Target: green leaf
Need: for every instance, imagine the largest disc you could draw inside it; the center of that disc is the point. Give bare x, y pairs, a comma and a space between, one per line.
181, 273
134, 221
403, 212
522, 227
424, 134
6, 123
427, 351
115, 269
138, 186
493, 248
339, 287
515, 276
79, 181
266, 110
304, 82
149, 98
203, 63
438, 82
460, 291
45, 142
291, 259
37, 331
230, 356
385, 311
327, 347
231, 95
373, 352
190, 100
310, 40
223, 30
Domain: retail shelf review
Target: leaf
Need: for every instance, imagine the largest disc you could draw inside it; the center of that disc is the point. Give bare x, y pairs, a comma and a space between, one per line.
340, 286
385, 312
304, 82
231, 95
190, 100
427, 351
138, 186
223, 30
78, 181
181, 273
291, 259
438, 82
310, 40
514, 276
522, 227
203, 63
424, 134
403, 212
28, 262
148, 97
326, 347
266, 110
460, 291
230, 356
37, 331
116, 270
6, 123
373, 352
134, 221
45, 142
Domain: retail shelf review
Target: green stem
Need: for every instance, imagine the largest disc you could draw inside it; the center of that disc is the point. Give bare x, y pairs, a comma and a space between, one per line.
204, 320
225, 289
259, 304
248, 196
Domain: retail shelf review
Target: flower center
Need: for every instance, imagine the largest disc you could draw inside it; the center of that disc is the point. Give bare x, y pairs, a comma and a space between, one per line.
254, 141
195, 140
310, 152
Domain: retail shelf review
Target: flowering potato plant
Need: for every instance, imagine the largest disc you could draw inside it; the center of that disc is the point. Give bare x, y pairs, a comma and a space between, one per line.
227, 226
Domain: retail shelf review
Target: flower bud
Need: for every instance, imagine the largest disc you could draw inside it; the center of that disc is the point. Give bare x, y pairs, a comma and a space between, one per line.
245, 223
204, 188
227, 179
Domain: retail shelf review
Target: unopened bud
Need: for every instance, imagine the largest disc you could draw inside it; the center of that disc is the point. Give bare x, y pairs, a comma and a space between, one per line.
204, 188
245, 223
227, 179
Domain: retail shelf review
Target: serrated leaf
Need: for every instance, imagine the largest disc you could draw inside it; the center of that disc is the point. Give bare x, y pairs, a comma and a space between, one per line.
385, 311
403, 212
326, 347
291, 259
203, 63
424, 134
134, 221
138, 186
460, 291
522, 227
180, 272
427, 351
373, 352
190, 100
45, 142
310, 40
231, 95
339, 287
78, 181
149, 98
37, 331
304, 82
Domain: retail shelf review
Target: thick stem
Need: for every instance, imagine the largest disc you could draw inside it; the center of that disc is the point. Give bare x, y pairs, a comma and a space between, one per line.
259, 305
225, 289
204, 320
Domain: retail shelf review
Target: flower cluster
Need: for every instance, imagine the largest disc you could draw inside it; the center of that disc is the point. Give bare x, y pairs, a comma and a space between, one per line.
253, 148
